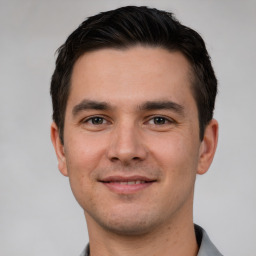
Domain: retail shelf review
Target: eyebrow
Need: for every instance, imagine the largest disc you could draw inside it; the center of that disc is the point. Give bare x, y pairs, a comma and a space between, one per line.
157, 105
89, 105
147, 106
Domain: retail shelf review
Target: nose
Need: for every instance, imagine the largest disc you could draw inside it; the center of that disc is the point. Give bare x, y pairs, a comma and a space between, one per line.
126, 145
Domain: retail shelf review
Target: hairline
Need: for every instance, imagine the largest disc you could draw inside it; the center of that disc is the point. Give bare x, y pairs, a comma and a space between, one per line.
193, 79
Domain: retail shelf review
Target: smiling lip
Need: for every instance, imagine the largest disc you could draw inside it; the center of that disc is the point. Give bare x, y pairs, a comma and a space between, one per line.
127, 185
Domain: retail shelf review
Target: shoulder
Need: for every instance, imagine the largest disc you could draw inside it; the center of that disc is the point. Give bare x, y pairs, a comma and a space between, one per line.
206, 247
86, 251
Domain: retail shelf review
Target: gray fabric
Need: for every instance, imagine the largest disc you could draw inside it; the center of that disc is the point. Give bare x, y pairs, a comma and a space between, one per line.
86, 251
207, 248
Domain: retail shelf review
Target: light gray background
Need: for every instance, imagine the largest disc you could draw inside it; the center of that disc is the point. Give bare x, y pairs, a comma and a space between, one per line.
38, 214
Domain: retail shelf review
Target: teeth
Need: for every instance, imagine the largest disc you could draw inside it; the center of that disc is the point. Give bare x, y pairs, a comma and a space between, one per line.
133, 182
130, 182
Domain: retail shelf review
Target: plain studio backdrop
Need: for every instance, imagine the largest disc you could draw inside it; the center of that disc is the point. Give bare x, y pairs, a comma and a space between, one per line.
38, 214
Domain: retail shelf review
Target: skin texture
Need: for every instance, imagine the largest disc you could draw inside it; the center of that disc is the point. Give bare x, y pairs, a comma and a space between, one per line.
131, 116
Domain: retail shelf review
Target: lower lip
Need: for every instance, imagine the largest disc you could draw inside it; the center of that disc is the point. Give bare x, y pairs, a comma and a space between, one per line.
126, 189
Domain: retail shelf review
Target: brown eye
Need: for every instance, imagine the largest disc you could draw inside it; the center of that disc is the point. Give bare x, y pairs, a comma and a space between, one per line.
159, 120
96, 120
95, 123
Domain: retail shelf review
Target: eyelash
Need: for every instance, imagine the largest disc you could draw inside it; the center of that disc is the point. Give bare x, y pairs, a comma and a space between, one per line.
164, 119
90, 120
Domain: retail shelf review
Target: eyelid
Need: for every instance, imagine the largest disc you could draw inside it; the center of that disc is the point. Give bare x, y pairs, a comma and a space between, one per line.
88, 118
106, 120
167, 118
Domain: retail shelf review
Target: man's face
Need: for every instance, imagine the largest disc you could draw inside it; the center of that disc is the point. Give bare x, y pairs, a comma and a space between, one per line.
131, 139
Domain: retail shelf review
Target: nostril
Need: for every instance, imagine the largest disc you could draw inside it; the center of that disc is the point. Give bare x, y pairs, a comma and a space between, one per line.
126, 149
114, 159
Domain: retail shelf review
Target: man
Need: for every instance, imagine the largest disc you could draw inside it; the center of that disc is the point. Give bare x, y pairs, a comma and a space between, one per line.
133, 96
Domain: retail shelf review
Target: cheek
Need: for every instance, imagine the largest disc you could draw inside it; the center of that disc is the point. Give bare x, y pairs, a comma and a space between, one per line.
83, 156
176, 155
170, 148
83, 153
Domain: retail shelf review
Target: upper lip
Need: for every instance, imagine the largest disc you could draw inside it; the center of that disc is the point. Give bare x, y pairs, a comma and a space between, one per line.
126, 178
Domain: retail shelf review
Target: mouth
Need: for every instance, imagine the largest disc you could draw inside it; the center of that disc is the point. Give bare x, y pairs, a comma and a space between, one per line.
127, 185
128, 182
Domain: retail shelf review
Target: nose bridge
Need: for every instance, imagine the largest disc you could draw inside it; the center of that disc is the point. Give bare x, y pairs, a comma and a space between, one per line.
126, 142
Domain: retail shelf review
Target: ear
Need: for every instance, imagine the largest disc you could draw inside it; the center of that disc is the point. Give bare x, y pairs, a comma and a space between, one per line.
59, 149
208, 146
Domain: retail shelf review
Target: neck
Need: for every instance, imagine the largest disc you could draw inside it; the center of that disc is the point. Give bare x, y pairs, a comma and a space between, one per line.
177, 238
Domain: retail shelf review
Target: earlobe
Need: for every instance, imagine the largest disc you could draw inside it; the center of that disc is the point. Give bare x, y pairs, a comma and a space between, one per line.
59, 149
208, 147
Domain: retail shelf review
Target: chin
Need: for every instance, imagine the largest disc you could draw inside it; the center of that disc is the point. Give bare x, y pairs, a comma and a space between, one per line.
128, 228
128, 223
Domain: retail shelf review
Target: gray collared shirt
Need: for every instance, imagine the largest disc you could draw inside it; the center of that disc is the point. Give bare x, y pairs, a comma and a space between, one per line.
206, 247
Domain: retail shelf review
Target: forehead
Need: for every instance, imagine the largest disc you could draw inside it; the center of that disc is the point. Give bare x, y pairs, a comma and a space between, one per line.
131, 74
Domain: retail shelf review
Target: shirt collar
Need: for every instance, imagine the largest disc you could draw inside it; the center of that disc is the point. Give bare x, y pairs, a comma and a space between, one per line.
206, 247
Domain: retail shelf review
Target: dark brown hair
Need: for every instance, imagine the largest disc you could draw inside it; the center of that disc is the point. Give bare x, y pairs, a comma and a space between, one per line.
126, 27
